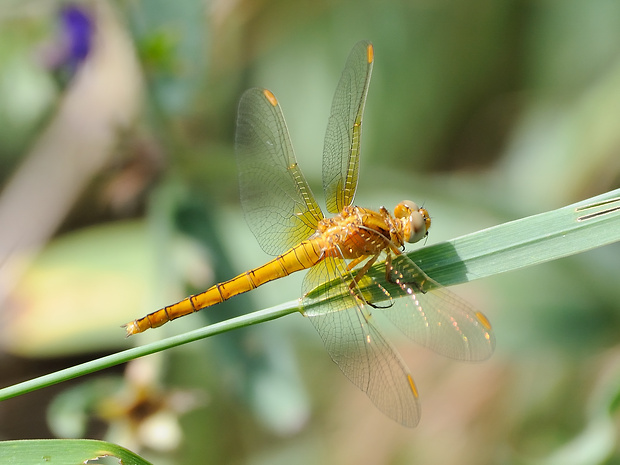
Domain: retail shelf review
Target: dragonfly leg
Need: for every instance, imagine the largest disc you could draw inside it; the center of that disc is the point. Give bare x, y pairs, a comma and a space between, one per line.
356, 262
363, 270
361, 273
388, 276
380, 307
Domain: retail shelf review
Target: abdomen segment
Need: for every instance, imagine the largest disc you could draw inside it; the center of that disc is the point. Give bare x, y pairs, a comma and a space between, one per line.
305, 255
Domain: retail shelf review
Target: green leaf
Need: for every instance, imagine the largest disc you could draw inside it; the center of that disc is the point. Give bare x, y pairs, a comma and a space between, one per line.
64, 451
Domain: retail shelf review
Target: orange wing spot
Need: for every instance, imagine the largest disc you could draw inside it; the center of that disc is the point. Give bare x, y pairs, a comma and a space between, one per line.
370, 51
484, 321
412, 385
272, 98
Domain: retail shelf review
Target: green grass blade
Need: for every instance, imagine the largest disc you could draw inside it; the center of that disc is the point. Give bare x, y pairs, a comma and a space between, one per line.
577, 228
529, 241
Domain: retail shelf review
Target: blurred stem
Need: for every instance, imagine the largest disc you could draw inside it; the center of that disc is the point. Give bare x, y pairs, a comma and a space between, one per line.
249, 319
528, 241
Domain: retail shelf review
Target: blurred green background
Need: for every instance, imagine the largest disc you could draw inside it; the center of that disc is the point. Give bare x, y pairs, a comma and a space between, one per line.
119, 196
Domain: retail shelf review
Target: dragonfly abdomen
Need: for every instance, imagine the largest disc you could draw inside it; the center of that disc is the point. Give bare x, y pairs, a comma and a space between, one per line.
305, 255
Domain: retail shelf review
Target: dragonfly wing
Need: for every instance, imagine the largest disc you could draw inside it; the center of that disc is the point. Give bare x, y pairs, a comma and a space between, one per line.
278, 203
344, 129
436, 318
357, 346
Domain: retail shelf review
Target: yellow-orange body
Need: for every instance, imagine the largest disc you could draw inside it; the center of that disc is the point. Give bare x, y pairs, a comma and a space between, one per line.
285, 218
354, 234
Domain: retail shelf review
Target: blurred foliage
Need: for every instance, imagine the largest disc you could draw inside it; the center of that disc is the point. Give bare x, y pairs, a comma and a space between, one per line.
484, 111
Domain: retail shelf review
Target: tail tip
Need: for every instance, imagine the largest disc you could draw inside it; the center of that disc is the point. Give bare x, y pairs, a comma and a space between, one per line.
131, 329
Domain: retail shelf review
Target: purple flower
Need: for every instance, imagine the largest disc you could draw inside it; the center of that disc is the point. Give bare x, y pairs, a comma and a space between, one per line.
72, 44
77, 29
77, 36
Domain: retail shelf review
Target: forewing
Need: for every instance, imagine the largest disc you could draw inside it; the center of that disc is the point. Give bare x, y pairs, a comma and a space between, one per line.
341, 151
435, 318
278, 203
358, 348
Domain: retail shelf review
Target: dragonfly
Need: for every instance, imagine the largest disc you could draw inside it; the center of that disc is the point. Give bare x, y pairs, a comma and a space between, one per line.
342, 291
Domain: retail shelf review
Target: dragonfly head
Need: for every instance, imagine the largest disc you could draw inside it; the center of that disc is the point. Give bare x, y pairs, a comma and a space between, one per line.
415, 221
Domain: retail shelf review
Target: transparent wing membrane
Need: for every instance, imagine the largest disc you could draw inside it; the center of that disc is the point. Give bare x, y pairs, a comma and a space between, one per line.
421, 308
359, 349
342, 139
427, 312
281, 212
278, 203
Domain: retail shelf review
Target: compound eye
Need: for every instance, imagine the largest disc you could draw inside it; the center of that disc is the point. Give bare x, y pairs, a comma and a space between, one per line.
416, 227
405, 208
414, 220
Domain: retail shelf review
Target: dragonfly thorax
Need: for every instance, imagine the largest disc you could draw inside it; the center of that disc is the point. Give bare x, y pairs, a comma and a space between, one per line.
355, 232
